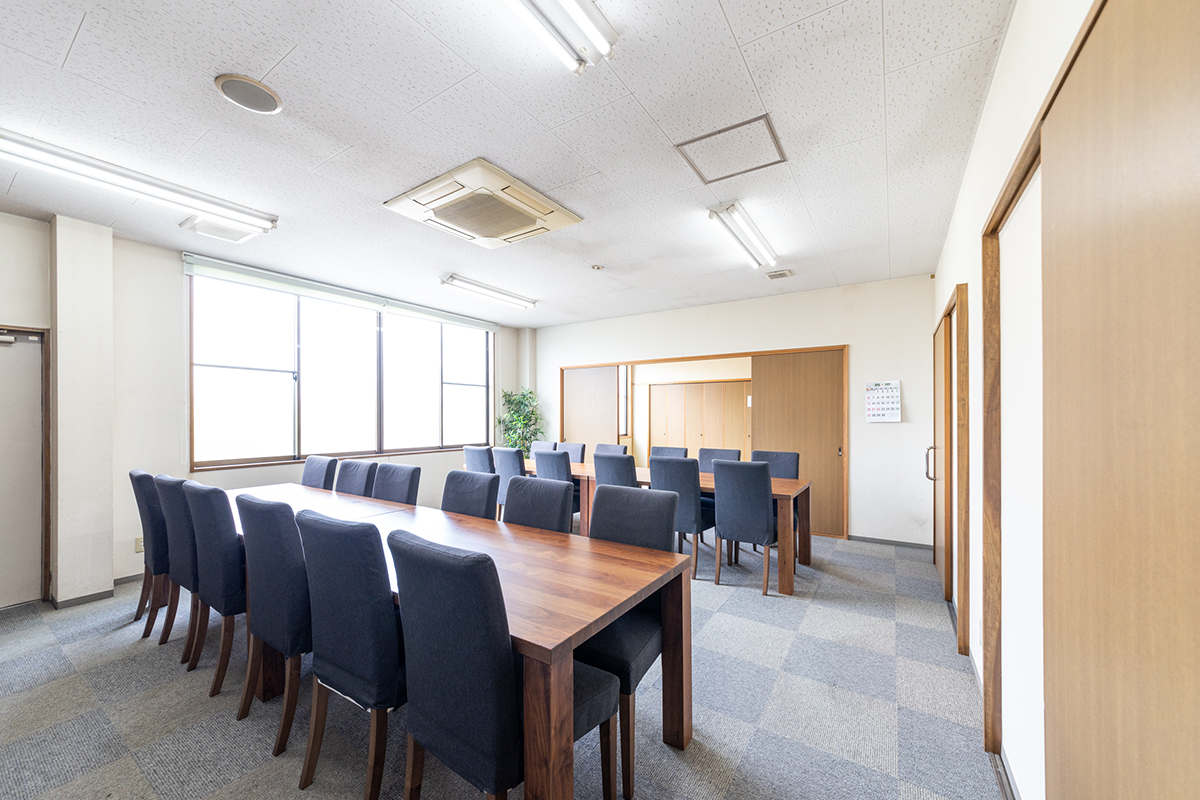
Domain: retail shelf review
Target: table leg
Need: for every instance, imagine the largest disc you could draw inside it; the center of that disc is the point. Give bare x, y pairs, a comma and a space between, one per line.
804, 506
677, 661
549, 739
587, 491
271, 677
783, 531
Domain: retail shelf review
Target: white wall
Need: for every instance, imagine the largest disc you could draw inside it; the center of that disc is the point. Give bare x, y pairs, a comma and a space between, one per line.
1021, 653
888, 329
24, 272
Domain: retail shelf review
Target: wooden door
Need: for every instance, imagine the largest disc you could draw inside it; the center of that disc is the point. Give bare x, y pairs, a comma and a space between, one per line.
693, 417
734, 416
936, 458
658, 416
675, 415
799, 404
1120, 160
714, 415
590, 407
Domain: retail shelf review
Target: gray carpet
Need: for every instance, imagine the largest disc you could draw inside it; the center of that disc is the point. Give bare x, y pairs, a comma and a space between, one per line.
851, 689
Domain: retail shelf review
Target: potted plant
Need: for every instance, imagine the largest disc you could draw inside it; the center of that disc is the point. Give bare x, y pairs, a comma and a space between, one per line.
521, 422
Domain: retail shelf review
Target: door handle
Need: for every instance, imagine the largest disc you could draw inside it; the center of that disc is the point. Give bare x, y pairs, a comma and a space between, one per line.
927, 449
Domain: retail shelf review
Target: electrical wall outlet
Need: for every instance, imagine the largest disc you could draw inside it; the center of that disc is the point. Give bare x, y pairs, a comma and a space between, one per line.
138, 546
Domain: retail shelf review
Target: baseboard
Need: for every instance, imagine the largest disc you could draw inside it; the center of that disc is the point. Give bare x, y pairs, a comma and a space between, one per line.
78, 601
129, 579
1003, 781
892, 542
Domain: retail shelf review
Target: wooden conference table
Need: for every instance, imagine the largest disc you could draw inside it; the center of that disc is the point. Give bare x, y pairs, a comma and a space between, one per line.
784, 490
559, 590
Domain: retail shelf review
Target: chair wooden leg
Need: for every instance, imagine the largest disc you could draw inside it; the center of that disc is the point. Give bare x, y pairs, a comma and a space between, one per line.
497, 796
608, 758
199, 636
291, 692
223, 658
737, 552
625, 712
695, 553
172, 607
414, 769
376, 753
717, 579
155, 603
193, 616
316, 732
252, 670
766, 567
147, 581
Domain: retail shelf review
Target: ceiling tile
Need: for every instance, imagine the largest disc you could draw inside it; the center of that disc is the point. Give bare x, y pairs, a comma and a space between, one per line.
921, 203
789, 228
753, 19
743, 149
934, 105
822, 79
918, 29
681, 61
863, 264
761, 187
42, 29
842, 183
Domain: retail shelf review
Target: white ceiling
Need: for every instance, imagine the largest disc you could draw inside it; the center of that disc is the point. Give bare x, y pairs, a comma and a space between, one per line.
875, 103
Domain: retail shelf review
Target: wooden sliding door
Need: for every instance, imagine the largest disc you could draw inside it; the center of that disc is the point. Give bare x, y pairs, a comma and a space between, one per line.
798, 403
590, 405
936, 460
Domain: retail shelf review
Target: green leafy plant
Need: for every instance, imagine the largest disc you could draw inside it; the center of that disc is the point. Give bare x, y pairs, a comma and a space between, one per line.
521, 422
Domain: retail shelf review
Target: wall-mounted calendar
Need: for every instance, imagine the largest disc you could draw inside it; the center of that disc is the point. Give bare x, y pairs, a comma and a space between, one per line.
883, 401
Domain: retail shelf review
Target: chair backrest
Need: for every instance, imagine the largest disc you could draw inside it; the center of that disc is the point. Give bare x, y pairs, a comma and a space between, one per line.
356, 477
471, 493
745, 512
539, 445
783, 463
669, 452
319, 472
615, 470
574, 449
478, 459
464, 705
220, 562
553, 464
181, 534
397, 482
277, 603
540, 503
642, 517
681, 476
510, 462
707, 455
156, 545
611, 450
356, 632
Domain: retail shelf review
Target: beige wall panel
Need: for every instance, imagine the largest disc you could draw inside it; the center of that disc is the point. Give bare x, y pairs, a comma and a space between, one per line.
590, 407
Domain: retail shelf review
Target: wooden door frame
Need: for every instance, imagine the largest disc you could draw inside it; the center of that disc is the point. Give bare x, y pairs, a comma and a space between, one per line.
957, 308
845, 348
47, 364
1028, 159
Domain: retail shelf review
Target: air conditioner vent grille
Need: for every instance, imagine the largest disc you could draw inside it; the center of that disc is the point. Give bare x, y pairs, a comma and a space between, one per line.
779, 273
484, 215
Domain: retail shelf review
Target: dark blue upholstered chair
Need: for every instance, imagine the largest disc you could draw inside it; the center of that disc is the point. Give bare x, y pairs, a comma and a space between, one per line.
539, 445
465, 682
744, 509
611, 450
575, 449
356, 477
615, 470
631, 644
221, 568
319, 472
539, 503
668, 452
471, 493
784, 464
181, 536
277, 606
682, 476
556, 466
397, 482
156, 582
357, 638
510, 462
707, 455
478, 459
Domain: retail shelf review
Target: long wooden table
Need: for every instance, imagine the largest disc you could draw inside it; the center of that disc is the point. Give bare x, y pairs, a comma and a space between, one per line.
793, 548
559, 590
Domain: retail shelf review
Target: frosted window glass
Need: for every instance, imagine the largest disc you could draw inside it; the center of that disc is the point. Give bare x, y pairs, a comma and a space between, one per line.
466, 415
241, 413
464, 356
242, 326
412, 382
338, 371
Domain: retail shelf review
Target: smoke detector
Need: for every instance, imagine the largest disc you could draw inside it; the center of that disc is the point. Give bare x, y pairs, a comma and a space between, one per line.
483, 204
249, 94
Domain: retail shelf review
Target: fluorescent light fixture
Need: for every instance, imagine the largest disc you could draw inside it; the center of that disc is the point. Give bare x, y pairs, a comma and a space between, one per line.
574, 30
66, 163
741, 228
450, 279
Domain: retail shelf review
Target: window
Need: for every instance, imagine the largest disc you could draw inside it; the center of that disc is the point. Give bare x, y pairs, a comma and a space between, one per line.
277, 376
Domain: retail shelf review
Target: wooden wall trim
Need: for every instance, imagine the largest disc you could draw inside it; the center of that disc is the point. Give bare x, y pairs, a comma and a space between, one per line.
991, 494
710, 357
962, 381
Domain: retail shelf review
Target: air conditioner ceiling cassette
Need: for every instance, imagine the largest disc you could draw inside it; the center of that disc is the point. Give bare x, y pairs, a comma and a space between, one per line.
483, 204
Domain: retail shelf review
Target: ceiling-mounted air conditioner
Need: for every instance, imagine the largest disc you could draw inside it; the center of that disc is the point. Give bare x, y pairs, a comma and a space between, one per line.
483, 204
